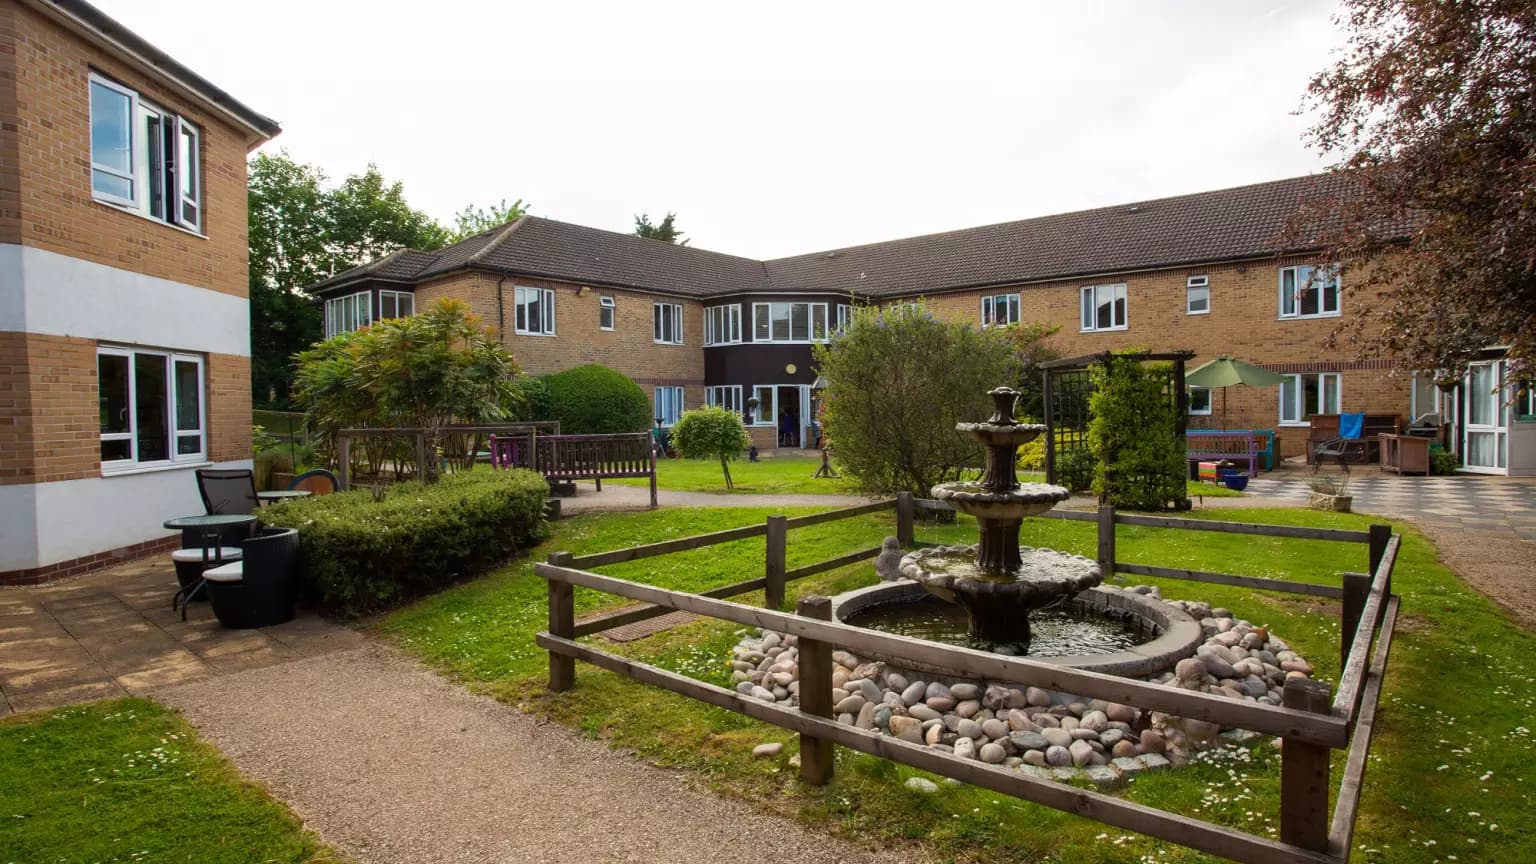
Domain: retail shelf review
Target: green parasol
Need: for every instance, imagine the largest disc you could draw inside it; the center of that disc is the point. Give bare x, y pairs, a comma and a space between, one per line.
1224, 372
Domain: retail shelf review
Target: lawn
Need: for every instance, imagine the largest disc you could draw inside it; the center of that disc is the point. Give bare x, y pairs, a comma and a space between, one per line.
1450, 762
127, 781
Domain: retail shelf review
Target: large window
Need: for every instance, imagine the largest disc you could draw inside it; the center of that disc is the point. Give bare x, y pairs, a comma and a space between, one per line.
1199, 400
668, 321
1197, 295
1308, 292
1000, 309
535, 314
151, 406
765, 412
722, 325
669, 404
728, 397
1103, 307
1302, 396
789, 322
143, 157
396, 304
345, 314
605, 311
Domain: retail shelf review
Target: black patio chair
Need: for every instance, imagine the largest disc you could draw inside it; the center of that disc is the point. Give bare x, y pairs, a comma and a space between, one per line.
261, 589
227, 491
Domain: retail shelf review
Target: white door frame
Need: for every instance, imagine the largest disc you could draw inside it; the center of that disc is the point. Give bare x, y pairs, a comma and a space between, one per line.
1497, 410
805, 410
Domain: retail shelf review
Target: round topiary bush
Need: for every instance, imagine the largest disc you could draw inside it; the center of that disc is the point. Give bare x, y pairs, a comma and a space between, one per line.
594, 399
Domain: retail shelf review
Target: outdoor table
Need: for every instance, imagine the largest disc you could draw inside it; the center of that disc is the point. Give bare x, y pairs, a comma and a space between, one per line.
283, 495
207, 530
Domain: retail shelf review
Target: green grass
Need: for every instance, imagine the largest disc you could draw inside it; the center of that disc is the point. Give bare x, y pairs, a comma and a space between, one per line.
127, 781
1451, 759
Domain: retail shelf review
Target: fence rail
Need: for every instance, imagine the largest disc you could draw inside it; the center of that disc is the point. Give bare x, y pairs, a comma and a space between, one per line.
1312, 720
566, 458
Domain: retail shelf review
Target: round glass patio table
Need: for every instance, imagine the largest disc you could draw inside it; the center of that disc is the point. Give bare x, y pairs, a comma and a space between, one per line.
202, 532
283, 495
209, 521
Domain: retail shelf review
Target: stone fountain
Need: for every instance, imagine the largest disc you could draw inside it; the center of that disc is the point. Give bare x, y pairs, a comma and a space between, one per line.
997, 582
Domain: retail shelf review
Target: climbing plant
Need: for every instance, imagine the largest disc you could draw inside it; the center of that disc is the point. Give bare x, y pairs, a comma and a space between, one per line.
1135, 435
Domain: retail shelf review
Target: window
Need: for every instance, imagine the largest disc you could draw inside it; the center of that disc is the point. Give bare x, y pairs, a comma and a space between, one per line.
668, 320
143, 157
151, 406
1103, 307
605, 309
789, 322
1197, 295
728, 397
345, 314
722, 325
1308, 292
1302, 396
669, 404
1000, 309
535, 314
396, 304
765, 413
1199, 400
844, 317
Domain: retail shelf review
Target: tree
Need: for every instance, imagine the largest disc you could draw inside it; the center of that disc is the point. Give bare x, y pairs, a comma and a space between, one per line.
369, 217
897, 383
1431, 111
287, 218
665, 231
474, 219
1031, 350
706, 433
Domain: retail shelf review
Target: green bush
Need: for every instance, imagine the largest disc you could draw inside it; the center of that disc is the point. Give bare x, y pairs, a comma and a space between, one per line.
593, 399
712, 433
1442, 461
1134, 433
533, 403
363, 554
1075, 468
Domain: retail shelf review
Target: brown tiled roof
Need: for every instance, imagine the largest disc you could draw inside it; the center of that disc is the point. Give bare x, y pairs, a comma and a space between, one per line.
1244, 222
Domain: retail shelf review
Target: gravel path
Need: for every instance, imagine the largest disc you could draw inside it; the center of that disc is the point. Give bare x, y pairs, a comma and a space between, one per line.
390, 763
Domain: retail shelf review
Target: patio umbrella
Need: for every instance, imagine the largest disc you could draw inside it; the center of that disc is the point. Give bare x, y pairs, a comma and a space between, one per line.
1224, 372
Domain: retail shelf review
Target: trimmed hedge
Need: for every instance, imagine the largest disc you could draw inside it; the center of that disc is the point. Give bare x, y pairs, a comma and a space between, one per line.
593, 399
363, 555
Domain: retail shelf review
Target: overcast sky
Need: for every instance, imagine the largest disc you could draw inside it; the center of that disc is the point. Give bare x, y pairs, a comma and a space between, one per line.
771, 128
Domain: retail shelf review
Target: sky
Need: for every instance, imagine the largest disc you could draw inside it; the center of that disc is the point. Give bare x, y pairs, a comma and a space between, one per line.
771, 128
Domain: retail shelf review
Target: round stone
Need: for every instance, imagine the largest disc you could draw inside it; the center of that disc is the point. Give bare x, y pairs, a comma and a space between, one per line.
965, 748
1081, 753
1029, 740
914, 692
1059, 757
1057, 737
851, 705
994, 729
1123, 748
1152, 741
964, 692
992, 753
920, 784
940, 703
1037, 697
968, 728
1034, 757
1120, 713
968, 708
765, 750
923, 712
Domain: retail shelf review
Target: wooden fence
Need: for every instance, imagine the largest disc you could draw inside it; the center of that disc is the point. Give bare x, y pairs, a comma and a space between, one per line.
408, 446
1312, 719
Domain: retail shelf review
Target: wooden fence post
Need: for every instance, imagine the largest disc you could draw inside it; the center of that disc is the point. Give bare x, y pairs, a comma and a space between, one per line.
653, 476
344, 460
562, 623
1380, 534
1357, 589
816, 756
1107, 539
778, 539
904, 507
1303, 772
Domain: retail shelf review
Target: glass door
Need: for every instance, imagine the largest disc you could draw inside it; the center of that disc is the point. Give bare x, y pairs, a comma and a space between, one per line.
1485, 437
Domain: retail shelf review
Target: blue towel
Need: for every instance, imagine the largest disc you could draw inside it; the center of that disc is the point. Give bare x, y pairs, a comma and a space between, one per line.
1351, 425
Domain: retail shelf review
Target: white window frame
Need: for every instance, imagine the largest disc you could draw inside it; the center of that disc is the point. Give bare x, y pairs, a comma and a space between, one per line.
1196, 412
722, 324
348, 312
523, 296
668, 403
1197, 285
1311, 275
1329, 384
1088, 317
607, 307
142, 172
815, 322
173, 434
667, 323
766, 407
397, 297
996, 307
727, 396
844, 317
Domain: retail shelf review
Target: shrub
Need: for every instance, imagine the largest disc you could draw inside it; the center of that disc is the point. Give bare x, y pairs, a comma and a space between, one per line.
1134, 435
363, 553
1075, 469
1442, 461
711, 433
594, 399
532, 402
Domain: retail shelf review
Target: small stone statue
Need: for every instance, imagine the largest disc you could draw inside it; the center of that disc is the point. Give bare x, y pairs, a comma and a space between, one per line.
888, 562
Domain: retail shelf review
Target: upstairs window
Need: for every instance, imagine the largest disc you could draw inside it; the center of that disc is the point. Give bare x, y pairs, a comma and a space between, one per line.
722, 325
669, 404
999, 310
1308, 292
605, 310
535, 315
1103, 308
151, 407
668, 323
1197, 295
143, 157
345, 314
396, 304
844, 317
789, 322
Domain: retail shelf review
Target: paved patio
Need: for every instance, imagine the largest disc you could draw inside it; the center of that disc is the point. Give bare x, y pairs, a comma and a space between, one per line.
1475, 503
113, 633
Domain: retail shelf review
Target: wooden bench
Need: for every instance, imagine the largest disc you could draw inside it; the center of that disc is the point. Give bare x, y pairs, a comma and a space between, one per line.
1215, 447
564, 459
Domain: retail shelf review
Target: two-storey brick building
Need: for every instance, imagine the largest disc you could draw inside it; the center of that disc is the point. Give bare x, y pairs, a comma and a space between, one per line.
124, 317
1215, 273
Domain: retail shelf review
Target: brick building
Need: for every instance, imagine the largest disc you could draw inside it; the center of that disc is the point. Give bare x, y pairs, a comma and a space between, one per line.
124, 317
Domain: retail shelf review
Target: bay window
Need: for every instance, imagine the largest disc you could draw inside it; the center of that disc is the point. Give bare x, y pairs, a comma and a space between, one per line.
1302, 396
1308, 292
764, 413
535, 315
396, 304
345, 314
151, 408
722, 325
1103, 308
668, 322
789, 322
844, 317
143, 157
727, 397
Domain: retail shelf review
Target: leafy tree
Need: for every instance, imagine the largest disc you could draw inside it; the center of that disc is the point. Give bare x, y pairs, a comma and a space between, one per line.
287, 217
711, 433
1029, 346
898, 382
1431, 110
594, 399
369, 217
474, 219
665, 230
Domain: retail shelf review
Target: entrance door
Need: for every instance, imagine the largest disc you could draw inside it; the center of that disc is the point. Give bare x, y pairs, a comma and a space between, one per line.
1485, 437
794, 414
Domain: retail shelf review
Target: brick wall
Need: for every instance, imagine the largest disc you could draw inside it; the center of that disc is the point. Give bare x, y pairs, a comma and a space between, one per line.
45, 118
229, 407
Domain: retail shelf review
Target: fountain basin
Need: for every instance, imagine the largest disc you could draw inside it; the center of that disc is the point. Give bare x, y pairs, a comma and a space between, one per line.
1027, 499
1002, 434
